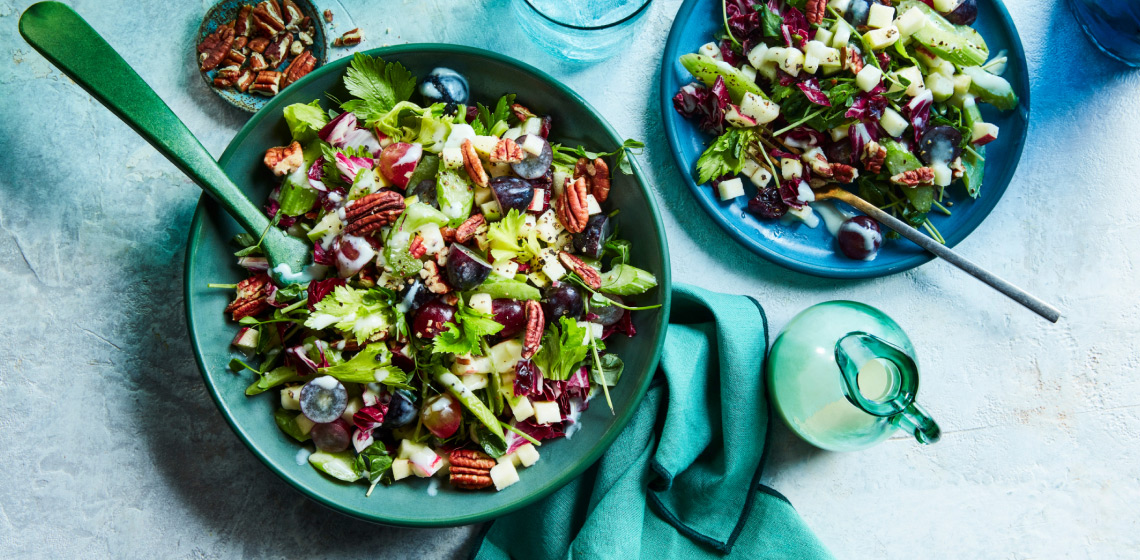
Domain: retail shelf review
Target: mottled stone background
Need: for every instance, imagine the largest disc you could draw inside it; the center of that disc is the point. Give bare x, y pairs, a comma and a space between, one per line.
111, 447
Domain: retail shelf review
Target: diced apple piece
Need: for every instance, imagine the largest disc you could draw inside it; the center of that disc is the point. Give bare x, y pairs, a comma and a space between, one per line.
548, 227
559, 182
811, 63
452, 157
246, 340
500, 169
291, 397
511, 458
755, 106
945, 6
592, 206
757, 173
401, 469
484, 145
467, 364
893, 122
432, 238
823, 35
538, 279
791, 168
842, 34
304, 424
483, 194
758, 55
880, 16
840, 132
840, 6
474, 382
962, 84
911, 21
943, 175
546, 412
521, 409
749, 72
513, 133
879, 39
504, 475
730, 189
527, 454
408, 448
710, 50
505, 268
480, 302
491, 210
869, 77
549, 265
984, 133
940, 86
533, 144
425, 463
532, 126
911, 75
506, 354
736, 118
792, 62
769, 70
354, 405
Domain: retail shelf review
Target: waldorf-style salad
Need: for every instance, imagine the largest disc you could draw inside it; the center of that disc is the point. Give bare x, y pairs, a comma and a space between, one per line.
468, 275
878, 96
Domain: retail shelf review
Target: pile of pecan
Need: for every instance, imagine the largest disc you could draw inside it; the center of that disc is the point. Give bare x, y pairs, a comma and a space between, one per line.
265, 48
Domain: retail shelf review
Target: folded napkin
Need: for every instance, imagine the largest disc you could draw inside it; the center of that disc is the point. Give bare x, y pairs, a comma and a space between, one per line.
683, 479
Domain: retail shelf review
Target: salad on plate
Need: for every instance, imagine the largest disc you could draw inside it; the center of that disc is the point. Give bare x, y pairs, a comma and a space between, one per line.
468, 274
880, 97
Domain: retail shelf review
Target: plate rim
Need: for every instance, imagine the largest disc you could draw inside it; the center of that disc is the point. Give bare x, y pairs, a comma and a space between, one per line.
621, 419
753, 243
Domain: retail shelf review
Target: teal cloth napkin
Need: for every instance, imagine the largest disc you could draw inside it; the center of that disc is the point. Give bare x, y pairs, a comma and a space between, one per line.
683, 479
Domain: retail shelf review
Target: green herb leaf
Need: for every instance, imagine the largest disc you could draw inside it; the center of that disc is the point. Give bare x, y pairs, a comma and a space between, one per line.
627, 280
466, 337
373, 364
271, 379
508, 241
305, 120
374, 463
725, 156
562, 352
379, 85
610, 374
769, 21
620, 250
358, 311
287, 421
568, 157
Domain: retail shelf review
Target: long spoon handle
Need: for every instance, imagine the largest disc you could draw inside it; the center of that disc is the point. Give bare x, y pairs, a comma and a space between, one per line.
65, 39
947, 254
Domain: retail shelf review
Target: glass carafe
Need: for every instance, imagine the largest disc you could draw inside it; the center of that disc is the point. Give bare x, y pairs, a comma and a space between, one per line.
843, 376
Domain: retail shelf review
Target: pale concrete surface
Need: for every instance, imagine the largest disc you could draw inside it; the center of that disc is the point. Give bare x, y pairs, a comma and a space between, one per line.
111, 447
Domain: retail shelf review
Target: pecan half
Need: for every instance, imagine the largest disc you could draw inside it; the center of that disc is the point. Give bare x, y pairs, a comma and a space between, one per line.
291, 14
215, 47
844, 173
350, 37
267, 19
873, 156
305, 38
473, 165
252, 297
328, 15
571, 209
244, 81
226, 77
257, 62
299, 67
372, 212
283, 160
815, 11
234, 58
957, 168
239, 44
506, 151
471, 459
267, 83
448, 233
851, 59
465, 481
467, 229
521, 112
258, 44
914, 177
815, 160
535, 322
434, 281
279, 49
584, 271
244, 21
416, 247
597, 175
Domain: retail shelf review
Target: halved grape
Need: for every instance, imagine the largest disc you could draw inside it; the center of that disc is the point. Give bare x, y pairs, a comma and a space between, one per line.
323, 399
858, 11
431, 318
415, 295
534, 166
510, 314
426, 192
512, 193
465, 269
401, 409
444, 85
591, 241
940, 145
441, 415
332, 436
607, 314
562, 300
966, 13
860, 238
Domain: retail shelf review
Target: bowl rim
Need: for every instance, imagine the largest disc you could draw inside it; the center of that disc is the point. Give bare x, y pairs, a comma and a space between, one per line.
755, 244
621, 419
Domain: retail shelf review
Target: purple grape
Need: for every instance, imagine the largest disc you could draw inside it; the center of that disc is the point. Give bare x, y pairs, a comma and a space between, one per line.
562, 300
431, 318
532, 166
591, 241
512, 193
332, 436
607, 314
323, 399
510, 314
858, 11
442, 415
965, 13
940, 144
465, 269
401, 409
839, 152
860, 238
415, 295
426, 192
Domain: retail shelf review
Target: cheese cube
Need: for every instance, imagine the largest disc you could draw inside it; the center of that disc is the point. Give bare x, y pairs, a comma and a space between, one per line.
940, 86
879, 39
483, 194
592, 206
529, 221
513, 133
913, 77
522, 409
893, 122
911, 21
505, 268
291, 397
527, 454
868, 78
546, 412
730, 189
401, 469
512, 458
504, 475
823, 35
484, 145
880, 15
304, 424
558, 182
793, 61
532, 126
452, 157
354, 404
756, 172
842, 35
533, 144
491, 210
710, 50
596, 329
749, 72
497, 169
758, 55
840, 132
791, 168
805, 215
481, 303
506, 354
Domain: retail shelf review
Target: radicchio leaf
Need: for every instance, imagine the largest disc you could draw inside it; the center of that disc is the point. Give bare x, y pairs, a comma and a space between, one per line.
785, 78
536, 431
918, 110
814, 92
317, 175
803, 137
790, 193
362, 137
705, 104
728, 54
318, 289
861, 134
868, 106
370, 417
578, 385
795, 28
623, 326
338, 129
349, 166
528, 378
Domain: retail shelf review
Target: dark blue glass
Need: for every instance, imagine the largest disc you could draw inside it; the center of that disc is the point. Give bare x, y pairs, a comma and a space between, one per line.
1113, 26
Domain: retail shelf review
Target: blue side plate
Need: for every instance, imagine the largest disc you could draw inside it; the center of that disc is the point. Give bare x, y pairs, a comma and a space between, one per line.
813, 251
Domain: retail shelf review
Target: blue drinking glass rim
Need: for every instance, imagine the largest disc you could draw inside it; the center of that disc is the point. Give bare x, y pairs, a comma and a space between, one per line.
629, 17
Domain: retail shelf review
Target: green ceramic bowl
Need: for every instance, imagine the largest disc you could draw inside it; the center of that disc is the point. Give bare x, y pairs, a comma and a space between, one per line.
208, 259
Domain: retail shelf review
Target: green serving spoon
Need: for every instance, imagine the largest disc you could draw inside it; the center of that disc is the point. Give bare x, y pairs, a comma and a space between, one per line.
65, 39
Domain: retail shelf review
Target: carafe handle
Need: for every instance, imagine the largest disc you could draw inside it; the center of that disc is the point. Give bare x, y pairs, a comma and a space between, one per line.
853, 351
